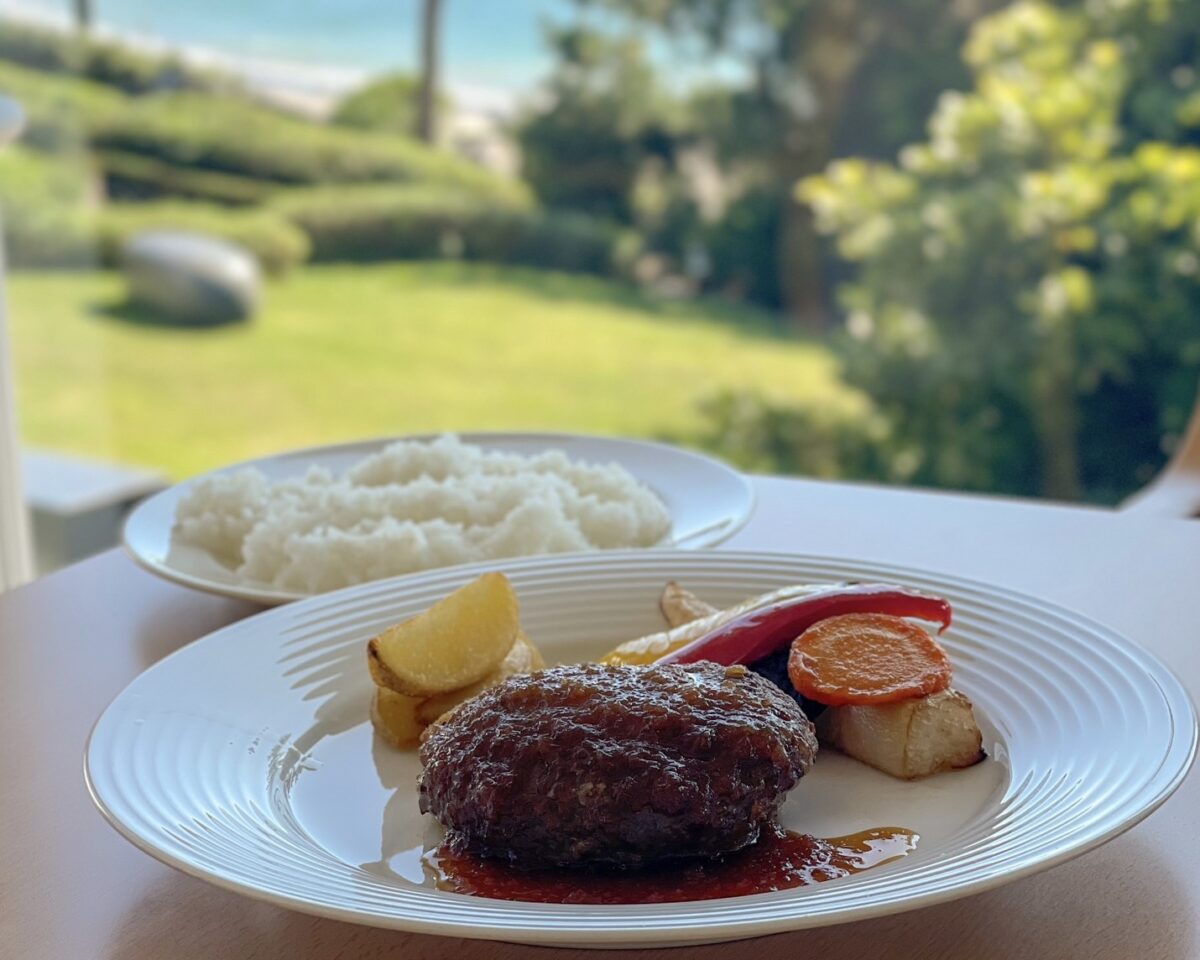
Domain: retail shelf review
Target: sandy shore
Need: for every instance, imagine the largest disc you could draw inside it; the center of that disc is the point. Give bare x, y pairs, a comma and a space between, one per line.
305, 88
311, 89
476, 127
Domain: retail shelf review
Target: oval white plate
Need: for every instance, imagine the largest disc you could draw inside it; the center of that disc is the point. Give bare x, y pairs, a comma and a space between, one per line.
246, 758
707, 500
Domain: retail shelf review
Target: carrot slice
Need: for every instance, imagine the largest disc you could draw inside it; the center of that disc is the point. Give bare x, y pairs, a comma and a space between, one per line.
865, 658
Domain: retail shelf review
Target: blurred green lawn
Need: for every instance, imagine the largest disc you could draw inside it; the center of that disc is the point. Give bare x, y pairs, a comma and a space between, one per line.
343, 352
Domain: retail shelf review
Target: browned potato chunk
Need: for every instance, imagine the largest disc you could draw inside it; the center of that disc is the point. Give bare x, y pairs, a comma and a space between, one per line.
522, 658
909, 739
455, 643
401, 720
394, 717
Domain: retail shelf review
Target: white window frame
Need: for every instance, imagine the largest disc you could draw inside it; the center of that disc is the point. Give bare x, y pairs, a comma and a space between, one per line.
16, 565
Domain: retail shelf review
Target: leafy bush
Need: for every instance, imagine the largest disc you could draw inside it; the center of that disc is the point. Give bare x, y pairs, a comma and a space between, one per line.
43, 209
386, 103
232, 136
398, 223
107, 62
1029, 277
277, 244
839, 440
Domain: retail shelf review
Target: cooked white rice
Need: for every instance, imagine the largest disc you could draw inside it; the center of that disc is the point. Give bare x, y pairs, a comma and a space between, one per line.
413, 506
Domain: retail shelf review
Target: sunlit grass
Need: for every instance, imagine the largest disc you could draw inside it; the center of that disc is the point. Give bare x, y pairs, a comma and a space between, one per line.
343, 352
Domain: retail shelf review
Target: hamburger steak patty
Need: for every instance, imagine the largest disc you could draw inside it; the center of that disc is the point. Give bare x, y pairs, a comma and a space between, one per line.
624, 766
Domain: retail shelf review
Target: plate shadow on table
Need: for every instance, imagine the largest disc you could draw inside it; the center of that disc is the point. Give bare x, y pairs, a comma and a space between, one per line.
164, 630
1111, 898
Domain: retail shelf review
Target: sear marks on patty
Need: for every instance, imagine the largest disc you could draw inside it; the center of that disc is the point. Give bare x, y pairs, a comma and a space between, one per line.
618, 766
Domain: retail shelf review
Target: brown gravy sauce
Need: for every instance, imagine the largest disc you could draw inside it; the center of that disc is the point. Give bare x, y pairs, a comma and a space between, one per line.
779, 861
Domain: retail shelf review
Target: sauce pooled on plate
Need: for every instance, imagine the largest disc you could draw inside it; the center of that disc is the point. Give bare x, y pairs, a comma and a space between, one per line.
780, 860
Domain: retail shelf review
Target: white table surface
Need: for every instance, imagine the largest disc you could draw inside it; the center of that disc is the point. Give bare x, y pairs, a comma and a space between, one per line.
69, 887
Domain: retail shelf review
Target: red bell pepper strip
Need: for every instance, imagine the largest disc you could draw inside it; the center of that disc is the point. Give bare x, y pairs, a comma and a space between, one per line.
762, 632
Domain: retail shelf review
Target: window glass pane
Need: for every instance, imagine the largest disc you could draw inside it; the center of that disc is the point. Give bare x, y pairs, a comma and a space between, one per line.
953, 245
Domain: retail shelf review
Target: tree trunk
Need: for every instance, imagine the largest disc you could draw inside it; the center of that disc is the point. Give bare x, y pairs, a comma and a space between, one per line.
827, 48
798, 263
427, 96
83, 15
1056, 417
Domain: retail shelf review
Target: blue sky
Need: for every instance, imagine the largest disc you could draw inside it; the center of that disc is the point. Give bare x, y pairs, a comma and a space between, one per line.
487, 44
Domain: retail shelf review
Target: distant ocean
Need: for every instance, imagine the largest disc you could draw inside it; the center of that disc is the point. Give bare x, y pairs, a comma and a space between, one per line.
493, 51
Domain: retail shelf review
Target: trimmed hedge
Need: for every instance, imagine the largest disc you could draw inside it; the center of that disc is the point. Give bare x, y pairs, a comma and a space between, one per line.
59, 110
399, 223
48, 219
43, 208
108, 62
277, 244
232, 136
131, 176
156, 140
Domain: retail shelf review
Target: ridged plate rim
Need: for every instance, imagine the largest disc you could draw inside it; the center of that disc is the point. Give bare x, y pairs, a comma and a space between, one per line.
1160, 770
144, 529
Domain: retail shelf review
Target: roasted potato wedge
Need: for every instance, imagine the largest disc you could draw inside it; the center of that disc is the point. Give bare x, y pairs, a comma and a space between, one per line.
522, 658
910, 739
394, 717
455, 643
679, 605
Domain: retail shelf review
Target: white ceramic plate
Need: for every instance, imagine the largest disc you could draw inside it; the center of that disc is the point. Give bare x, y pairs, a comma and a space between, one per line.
708, 501
247, 759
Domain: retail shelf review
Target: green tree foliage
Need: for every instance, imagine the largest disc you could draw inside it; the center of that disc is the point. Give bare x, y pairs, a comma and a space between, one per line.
1025, 304
740, 245
604, 117
825, 73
